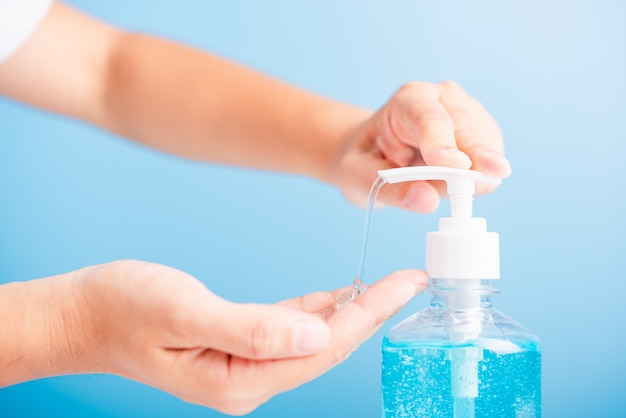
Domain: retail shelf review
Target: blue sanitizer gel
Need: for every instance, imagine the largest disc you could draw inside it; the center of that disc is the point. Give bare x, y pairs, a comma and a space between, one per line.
447, 362
417, 383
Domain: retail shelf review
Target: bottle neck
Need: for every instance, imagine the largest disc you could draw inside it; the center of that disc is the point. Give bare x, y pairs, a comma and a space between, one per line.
461, 294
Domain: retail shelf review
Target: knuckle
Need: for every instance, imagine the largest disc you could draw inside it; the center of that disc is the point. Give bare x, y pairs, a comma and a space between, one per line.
395, 129
427, 117
410, 87
432, 114
341, 354
450, 84
258, 339
466, 132
463, 111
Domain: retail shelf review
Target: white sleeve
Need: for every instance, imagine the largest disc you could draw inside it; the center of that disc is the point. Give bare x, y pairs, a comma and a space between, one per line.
18, 19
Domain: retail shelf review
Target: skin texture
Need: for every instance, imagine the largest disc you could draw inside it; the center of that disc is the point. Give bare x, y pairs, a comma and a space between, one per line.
160, 326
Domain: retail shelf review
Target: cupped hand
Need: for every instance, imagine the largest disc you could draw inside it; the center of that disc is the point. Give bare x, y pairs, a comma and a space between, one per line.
162, 327
422, 124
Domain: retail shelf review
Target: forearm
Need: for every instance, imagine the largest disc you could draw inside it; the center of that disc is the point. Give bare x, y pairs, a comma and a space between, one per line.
194, 104
175, 98
41, 333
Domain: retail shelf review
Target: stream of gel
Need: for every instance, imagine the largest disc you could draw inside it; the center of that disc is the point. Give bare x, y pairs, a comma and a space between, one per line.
358, 286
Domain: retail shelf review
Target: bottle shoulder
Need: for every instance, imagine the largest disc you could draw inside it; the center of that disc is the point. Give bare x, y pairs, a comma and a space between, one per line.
433, 325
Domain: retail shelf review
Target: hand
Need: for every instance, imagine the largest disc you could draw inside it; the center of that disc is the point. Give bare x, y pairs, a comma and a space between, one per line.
422, 124
162, 327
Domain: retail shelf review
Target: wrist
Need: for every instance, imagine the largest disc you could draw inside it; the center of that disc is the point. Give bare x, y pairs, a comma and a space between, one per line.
43, 332
78, 349
341, 122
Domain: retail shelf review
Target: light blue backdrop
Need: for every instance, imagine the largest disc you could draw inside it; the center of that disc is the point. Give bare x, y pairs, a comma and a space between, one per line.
552, 73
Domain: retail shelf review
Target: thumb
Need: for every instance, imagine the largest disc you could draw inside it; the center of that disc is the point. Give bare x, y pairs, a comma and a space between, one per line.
256, 331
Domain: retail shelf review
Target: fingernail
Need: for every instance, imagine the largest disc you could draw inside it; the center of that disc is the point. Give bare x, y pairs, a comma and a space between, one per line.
500, 159
311, 335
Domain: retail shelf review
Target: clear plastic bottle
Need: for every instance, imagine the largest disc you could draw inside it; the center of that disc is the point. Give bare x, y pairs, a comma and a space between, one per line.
459, 357
489, 367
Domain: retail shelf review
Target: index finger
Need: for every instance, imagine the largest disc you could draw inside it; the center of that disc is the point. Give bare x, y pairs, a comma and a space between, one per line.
416, 117
477, 134
350, 327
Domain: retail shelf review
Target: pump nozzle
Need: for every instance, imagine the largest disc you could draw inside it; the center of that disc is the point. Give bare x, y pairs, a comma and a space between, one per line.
461, 183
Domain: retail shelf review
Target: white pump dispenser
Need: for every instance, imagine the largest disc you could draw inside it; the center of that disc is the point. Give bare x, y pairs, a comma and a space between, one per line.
461, 253
461, 183
462, 248
459, 357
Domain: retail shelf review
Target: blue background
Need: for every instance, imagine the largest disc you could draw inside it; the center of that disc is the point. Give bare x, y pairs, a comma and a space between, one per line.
552, 74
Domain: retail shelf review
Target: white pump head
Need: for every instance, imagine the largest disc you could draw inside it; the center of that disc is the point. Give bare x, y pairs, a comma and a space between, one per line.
461, 183
462, 248
462, 253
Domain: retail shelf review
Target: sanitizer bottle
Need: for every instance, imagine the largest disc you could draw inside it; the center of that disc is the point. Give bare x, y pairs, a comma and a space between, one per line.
459, 357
